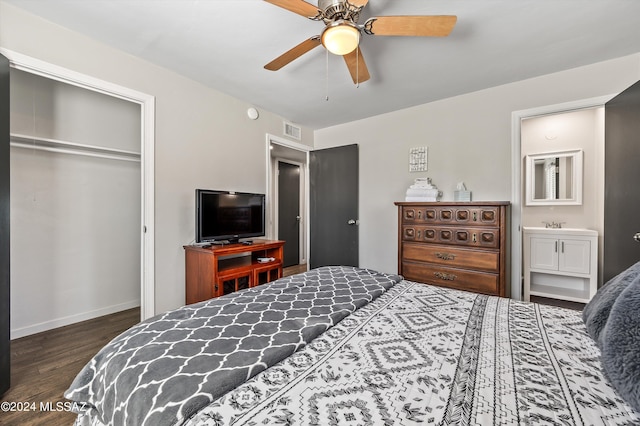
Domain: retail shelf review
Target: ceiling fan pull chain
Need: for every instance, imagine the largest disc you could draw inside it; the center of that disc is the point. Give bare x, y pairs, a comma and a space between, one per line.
326, 97
357, 64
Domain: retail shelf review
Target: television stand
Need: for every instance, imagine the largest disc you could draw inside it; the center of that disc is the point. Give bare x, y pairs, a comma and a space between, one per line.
222, 269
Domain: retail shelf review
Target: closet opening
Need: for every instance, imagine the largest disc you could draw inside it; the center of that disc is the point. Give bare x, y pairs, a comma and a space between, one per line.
81, 197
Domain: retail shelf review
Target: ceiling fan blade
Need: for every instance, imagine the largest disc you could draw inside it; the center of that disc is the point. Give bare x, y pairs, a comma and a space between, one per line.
433, 26
293, 54
300, 7
357, 66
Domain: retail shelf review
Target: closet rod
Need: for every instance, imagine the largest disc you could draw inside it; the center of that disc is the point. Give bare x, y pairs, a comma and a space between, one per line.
64, 147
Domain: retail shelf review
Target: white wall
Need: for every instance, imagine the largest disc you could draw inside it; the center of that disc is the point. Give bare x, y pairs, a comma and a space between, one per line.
469, 139
203, 137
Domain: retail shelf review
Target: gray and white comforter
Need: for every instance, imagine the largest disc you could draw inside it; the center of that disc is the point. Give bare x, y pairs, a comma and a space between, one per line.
162, 371
415, 354
426, 355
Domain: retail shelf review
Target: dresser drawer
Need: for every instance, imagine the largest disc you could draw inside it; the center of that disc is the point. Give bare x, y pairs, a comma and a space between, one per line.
481, 282
452, 256
470, 216
463, 236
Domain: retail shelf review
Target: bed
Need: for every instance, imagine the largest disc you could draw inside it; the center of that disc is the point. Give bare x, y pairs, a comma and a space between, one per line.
350, 346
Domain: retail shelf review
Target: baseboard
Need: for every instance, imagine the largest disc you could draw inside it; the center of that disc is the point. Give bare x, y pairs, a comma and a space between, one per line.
72, 319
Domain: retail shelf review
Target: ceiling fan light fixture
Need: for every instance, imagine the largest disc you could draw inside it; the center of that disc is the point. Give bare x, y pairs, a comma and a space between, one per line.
340, 37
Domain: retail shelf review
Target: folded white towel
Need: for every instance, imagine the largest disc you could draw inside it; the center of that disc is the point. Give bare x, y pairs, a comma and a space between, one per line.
422, 192
419, 199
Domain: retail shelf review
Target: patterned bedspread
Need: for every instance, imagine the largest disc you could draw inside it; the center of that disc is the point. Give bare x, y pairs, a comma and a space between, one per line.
162, 371
423, 354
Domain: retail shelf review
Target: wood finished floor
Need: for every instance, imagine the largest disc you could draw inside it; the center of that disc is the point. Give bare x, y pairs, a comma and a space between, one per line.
557, 302
43, 365
292, 270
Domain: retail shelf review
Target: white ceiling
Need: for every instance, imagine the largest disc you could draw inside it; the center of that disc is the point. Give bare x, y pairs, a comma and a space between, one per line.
225, 44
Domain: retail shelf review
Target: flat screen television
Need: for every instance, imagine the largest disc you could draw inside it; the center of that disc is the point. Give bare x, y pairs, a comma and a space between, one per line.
228, 216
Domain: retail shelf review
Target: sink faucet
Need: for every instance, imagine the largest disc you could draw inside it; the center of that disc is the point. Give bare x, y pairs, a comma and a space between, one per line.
554, 225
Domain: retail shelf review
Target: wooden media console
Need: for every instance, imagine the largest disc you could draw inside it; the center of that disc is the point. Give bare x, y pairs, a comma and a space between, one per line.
222, 269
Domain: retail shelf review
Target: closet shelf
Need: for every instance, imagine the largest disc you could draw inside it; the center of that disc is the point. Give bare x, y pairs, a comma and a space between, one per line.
65, 147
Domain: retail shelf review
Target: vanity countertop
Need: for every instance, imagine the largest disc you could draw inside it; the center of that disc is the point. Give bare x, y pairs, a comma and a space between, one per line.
554, 231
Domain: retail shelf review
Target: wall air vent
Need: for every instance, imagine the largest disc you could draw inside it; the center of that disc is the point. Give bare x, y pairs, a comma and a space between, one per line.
292, 131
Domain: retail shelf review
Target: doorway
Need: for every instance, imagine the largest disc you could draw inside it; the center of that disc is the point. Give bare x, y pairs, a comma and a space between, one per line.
287, 165
289, 219
517, 206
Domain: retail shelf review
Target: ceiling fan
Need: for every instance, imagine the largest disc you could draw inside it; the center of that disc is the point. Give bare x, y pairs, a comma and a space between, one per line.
341, 34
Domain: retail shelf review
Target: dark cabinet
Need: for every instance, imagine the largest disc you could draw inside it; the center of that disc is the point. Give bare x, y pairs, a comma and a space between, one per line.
5, 307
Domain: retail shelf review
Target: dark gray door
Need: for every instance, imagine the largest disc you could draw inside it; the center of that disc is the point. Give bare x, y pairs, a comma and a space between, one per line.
5, 330
289, 211
333, 215
622, 180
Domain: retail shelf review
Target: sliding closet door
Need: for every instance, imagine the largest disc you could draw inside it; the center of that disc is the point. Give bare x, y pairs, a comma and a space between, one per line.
5, 357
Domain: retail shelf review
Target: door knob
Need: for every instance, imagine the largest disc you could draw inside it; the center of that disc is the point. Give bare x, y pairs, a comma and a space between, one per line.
637, 237
352, 222
298, 218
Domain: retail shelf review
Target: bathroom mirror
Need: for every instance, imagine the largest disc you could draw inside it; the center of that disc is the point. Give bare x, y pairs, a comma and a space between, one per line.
554, 178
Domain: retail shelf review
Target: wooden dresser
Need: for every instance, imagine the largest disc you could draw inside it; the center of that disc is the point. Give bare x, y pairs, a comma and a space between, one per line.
461, 245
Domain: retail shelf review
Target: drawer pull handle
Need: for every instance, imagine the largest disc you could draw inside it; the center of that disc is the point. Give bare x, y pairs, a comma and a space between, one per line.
474, 239
443, 276
419, 232
475, 216
445, 256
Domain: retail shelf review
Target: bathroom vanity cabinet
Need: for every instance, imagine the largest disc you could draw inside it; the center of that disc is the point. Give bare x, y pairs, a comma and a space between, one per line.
560, 263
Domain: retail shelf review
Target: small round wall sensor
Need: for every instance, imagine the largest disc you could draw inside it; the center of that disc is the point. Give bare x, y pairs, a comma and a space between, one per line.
252, 113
